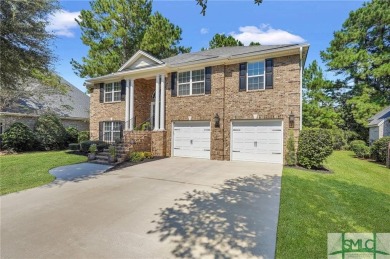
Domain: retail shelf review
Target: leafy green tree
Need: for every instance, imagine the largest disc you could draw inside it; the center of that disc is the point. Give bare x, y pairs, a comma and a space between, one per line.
161, 38
221, 40
115, 30
318, 103
25, 42
254, 43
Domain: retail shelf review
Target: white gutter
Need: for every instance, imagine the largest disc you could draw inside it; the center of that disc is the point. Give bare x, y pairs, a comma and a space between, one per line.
300, 87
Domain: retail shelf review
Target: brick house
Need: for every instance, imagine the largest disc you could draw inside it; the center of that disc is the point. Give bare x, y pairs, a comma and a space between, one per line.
231, 103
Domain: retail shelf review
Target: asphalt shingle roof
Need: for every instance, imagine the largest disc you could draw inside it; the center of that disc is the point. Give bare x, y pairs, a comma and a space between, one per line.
224, 52
74, 103
377, 118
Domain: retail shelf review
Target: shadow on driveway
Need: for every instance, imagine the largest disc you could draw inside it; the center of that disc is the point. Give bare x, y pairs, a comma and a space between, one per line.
239, 219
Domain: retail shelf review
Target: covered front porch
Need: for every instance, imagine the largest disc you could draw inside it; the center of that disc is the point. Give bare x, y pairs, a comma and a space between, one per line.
145, 103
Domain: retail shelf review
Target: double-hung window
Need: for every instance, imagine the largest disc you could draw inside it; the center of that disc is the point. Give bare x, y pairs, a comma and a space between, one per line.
111, 131
191, 82
112, 92
255, 76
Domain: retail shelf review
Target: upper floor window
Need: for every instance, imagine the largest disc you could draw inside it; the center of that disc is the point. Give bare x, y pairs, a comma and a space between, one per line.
112, 92
255, 76
191, 82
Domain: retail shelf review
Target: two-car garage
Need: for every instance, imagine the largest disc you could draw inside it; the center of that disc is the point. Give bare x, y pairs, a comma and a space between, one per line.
251, 140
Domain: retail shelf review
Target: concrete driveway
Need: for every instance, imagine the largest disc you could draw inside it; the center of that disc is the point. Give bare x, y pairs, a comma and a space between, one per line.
175, 207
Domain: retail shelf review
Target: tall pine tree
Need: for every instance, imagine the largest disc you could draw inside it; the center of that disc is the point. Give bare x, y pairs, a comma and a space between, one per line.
115, 30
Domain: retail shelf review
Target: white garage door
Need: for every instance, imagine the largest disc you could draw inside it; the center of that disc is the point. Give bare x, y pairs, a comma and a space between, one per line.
191, 139
259, 141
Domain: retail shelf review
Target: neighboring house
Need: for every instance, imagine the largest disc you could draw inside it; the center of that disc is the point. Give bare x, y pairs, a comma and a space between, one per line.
72, 107
379, 125
231, 103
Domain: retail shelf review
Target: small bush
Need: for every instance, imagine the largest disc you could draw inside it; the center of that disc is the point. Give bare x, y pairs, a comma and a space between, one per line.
361, 150
137, 156
148, 155
338, 138
19, 137
291, 157
355, 143
50, 132
83, 136
72, 134
74, 146
314, 146
112, 150
84, 146
350, 136
379, 149
92, 149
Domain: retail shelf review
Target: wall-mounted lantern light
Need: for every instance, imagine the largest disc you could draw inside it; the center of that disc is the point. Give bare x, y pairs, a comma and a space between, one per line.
216, 120
291, 120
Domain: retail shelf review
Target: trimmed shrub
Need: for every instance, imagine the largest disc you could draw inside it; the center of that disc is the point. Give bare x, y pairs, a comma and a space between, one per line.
379, 149
84, 146
350, 136
355, 143
338, 138
291, 158
361, 150
72, 134
136, 156
74, 146
19, 137
83, 136
314, 146
50, 132
148, 155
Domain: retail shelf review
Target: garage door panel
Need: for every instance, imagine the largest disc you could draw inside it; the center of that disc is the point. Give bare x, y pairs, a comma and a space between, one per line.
191, 139
257, 140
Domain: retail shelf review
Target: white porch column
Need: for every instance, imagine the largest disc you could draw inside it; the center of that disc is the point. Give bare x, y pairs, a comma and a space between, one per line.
127, 99
162, 109
131, 117
157, 106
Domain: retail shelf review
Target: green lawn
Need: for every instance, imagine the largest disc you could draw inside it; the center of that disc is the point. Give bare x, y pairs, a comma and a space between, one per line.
28, 170
355, 198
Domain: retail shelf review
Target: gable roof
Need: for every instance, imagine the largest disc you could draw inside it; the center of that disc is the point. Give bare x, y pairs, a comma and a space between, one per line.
212, 56
72, 104
378, 118
137, 56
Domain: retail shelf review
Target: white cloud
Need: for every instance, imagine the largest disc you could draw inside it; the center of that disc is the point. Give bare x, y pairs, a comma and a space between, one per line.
204, 31
62, 23
266, 35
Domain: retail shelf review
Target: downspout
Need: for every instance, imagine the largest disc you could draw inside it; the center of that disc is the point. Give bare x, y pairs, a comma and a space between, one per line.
300, 87
223, 112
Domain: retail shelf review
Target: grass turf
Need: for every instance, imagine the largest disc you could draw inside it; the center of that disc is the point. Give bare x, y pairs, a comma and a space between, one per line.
28, 170
355, 198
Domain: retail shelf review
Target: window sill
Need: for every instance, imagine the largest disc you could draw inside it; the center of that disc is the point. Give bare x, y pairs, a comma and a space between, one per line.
191, 95
114, 102
253, 91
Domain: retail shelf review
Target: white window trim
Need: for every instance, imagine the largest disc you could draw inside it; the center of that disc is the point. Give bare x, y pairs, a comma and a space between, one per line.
191, 82
248, 76
112, 92
112, 131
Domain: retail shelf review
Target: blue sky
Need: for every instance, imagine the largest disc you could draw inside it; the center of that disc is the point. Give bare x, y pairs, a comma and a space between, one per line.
273, 22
